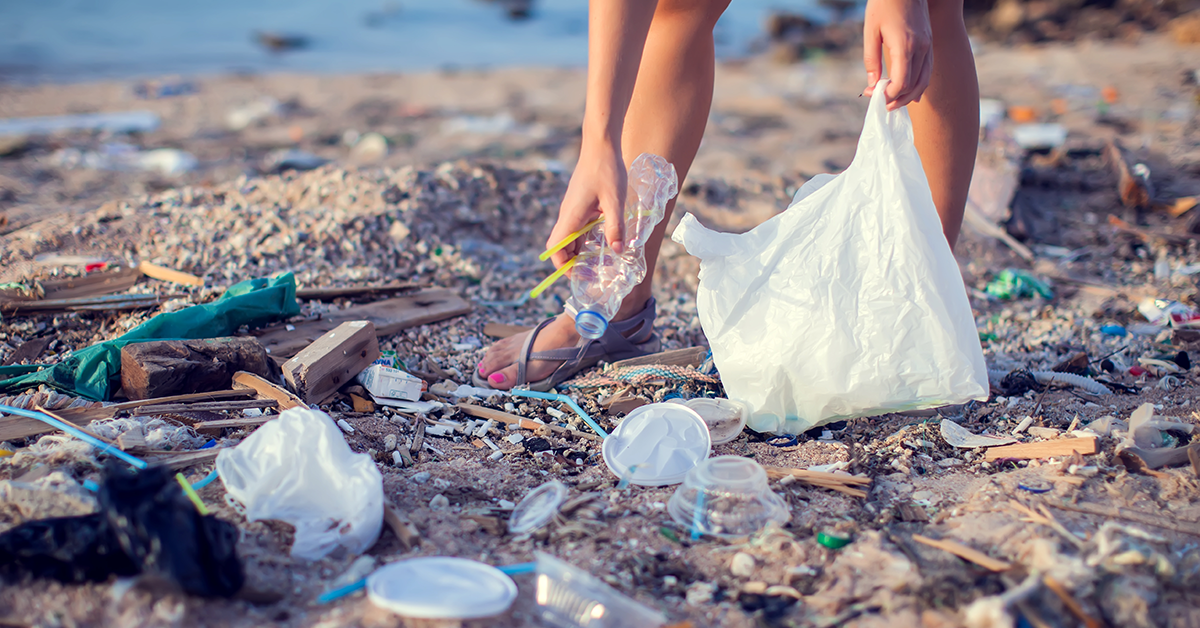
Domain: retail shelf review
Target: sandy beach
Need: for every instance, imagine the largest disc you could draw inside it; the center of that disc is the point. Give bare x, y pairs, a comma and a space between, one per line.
475, 166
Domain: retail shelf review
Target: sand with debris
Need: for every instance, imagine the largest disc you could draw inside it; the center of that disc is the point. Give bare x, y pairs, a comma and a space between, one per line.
464, 200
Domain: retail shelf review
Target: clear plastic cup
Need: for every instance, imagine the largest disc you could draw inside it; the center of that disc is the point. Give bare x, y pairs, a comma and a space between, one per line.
538, 507
568, 597
727, 496
725, 417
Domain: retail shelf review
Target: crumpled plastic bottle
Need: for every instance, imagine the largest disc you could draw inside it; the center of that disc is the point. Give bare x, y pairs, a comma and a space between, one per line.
601, 279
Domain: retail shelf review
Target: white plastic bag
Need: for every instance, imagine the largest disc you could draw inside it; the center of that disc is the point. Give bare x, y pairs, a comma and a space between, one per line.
848, 304
299, 469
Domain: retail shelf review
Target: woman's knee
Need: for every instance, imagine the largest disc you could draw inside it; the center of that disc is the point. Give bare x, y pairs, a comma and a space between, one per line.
696, 12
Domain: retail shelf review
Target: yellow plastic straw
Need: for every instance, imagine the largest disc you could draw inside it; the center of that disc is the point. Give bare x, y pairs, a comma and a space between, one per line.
569, 239
548, 281
191, 493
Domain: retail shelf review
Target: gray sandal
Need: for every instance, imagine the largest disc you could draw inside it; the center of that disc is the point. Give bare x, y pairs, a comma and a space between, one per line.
610, 347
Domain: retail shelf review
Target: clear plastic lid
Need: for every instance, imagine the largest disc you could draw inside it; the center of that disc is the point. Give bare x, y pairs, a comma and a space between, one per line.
657, 444
537, 508
441, 587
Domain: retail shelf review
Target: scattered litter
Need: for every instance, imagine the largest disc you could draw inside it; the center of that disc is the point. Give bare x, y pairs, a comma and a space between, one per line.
833, 540
145, 525
299, 469
123, 122
391, 383
1012, 283
537, 508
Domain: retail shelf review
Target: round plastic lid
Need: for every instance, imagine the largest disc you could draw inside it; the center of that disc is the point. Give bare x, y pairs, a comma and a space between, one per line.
657, 444
441, 587
538, 507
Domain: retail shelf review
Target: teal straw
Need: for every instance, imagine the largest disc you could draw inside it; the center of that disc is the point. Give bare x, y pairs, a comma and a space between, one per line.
77, 433
567, 400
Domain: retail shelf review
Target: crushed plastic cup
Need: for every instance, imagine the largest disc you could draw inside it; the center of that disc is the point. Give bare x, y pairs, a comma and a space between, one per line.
441, 587
727, 496
537, 508
657, 444
725, 418
568, 597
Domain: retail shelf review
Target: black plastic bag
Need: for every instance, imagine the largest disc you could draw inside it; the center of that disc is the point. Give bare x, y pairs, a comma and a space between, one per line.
146, 525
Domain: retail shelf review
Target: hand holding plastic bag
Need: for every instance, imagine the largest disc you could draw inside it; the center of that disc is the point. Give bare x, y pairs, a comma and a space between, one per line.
849, 303
299, 469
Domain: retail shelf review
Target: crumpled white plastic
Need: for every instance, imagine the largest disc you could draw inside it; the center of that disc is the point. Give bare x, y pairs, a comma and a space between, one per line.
299, 469
849, 303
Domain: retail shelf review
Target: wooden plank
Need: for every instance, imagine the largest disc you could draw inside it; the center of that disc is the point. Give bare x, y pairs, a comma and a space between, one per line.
512, 419
107, 412
266, 390
964, 552
214, 428
1045, 449
91, 285
325, 294
317, 372
692, 356
208, 406
500, 330
162, 273
113, 303
180, 461
28, 351
389, 317
834, 481
169, 367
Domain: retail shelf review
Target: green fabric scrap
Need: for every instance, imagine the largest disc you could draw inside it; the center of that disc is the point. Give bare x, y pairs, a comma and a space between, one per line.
1012, 283
88, 372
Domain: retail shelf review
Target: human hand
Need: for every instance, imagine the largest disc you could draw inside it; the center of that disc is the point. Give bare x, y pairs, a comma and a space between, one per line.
597, 188
903, 27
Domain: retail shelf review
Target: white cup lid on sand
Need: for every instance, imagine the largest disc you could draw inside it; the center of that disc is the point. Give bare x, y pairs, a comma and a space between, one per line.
441, 587
657, 444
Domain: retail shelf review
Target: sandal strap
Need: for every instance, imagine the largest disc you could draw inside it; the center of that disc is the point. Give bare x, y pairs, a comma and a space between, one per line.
525, 355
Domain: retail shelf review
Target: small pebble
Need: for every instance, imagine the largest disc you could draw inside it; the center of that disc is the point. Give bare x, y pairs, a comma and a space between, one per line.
439, 502
742, 565
389, 442
421, 477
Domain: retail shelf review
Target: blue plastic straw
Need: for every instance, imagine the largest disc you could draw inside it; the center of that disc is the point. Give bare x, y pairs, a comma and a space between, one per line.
342, 592
567, 400
206, 481
77, 433
697, 515
518, 569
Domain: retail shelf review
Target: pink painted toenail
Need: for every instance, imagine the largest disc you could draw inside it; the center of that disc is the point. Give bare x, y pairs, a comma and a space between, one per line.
496, 378
481, 368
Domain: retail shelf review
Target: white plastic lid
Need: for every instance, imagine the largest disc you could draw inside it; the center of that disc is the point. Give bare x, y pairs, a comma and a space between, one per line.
441, 587
538, 507
657, 444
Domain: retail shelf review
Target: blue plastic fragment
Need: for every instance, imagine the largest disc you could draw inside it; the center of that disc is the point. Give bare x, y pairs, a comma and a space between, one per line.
1114, 330
783, 440
206, 481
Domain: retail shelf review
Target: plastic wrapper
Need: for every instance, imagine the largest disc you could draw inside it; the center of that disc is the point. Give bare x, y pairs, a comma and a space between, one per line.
299, 469
848, 304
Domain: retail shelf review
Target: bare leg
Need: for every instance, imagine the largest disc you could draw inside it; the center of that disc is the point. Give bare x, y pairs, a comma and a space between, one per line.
946, 120
666, 117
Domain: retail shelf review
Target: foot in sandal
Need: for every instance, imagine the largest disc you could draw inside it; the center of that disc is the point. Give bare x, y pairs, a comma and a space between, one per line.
553, 352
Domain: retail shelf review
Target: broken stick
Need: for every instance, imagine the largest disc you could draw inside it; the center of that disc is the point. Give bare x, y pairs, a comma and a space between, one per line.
266, 390
1045, 449
964, 552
